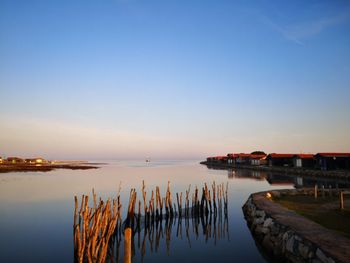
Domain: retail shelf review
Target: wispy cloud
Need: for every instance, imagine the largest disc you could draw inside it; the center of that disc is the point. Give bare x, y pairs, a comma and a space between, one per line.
301, 31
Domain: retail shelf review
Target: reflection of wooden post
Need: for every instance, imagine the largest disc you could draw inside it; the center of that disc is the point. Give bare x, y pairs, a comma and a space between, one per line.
127, 245
315, 191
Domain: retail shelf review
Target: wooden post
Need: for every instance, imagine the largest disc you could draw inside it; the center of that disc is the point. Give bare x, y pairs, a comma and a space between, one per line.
196, 198
180, 211
201, 206
94, 198
152, 204
75, 210
178, 204
161, 203
166, 205
139, 211
315, 191
214, 197
144, 197
210, 204
341, 199
187, 205
226, 192
127, 245
157, 204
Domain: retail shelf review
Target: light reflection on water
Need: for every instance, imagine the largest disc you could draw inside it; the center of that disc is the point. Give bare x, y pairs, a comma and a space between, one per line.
36, 210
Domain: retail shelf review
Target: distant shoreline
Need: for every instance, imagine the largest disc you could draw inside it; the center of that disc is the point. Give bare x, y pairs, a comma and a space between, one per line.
286, 170
7, 168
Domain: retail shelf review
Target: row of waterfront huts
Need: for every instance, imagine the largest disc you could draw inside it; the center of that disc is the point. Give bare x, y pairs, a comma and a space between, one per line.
323, 161
17, 160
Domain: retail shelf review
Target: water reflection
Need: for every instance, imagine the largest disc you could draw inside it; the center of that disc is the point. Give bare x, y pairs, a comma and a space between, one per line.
151, 237
99, 230
40, 205
277, 179
246, 174
305, 181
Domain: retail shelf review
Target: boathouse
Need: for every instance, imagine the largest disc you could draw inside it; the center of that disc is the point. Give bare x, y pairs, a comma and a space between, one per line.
210, 159
243, 158
258, 158
35, 160
14, 160
332, 161
221, 159
217, 160
278, 159
304, 160
232, 158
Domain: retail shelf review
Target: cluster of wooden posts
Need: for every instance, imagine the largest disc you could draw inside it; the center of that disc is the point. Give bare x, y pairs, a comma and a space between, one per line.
331, 192
93, 227
98, 229
149, 236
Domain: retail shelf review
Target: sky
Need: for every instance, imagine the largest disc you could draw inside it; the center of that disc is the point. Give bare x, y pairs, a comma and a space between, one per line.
173, 79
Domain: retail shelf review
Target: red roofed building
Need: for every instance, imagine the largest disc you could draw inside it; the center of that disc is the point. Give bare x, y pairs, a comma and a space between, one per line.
14, 160
37, 160
304, 160
243, 158
332, 161
255, 158
258, 159
217, 159
210, 159
280, 159
232, 158
247, 158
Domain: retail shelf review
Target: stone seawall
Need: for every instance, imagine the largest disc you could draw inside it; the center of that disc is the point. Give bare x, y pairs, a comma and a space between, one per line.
289, 237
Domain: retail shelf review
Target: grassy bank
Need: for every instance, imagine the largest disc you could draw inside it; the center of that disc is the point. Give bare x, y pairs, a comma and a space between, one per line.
323, 210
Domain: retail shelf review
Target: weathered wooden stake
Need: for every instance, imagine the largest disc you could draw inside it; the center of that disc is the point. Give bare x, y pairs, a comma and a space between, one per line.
127, 245
178, 203
315, 191
341, 199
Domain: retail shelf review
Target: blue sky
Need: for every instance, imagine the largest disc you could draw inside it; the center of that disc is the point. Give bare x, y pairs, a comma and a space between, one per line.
173, 79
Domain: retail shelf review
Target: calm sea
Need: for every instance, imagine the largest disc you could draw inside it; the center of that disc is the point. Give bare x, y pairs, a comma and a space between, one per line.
36, 211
